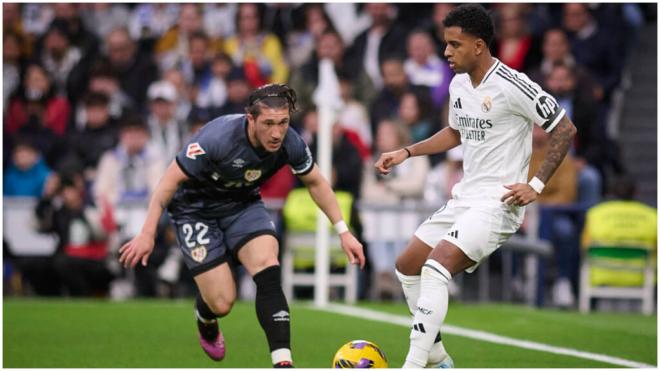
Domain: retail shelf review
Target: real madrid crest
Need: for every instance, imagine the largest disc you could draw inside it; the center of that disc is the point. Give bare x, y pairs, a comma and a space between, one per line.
252, 175
198, 253
487, 104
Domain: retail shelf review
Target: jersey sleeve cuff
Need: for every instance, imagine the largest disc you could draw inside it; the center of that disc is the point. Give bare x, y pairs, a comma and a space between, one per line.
185, 171
303, 172
551, 124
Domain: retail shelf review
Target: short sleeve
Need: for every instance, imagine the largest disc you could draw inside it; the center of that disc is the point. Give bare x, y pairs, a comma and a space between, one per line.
194, 158
453, 104
299, 156
531, 100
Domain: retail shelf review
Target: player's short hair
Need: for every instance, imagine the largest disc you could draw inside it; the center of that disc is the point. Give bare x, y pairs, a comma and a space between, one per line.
473, 19
271, 96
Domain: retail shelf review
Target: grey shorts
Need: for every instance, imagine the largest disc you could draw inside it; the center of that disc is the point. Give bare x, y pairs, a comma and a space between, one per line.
207, 243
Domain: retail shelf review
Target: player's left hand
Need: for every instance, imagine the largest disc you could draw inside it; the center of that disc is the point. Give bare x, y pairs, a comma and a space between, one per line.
520, 194
353, 249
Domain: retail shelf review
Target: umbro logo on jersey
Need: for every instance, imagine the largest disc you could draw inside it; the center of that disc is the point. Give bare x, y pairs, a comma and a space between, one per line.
454, 234
458, 104
419, 327
281, 316
238, 163
194, 150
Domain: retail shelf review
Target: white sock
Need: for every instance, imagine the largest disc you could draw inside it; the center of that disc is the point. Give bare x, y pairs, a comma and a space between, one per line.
411, 286
279, 355
430, 313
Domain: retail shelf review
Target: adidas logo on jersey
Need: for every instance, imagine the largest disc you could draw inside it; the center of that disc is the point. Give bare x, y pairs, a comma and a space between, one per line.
458, 104
453, 234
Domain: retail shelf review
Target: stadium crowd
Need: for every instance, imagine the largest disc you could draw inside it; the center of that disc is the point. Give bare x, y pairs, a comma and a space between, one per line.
99, 97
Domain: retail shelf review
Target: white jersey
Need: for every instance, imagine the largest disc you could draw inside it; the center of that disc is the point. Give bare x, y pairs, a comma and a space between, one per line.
495, 122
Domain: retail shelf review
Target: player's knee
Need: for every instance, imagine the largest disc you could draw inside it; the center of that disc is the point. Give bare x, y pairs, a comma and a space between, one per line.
221, 306
405, 266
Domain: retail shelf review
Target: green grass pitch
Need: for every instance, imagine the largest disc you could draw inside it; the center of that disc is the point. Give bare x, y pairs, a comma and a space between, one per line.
40, 333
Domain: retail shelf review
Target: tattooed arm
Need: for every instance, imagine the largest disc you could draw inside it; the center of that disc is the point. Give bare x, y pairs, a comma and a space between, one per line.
521, 194
560, 139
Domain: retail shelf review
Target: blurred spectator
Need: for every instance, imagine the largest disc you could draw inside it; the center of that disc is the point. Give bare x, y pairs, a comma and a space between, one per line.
13, 63
347, 163
82, 231
59, 56
11, 18
129, 172
167, 132
258, 52
415, 113
238, 92
437, 29
196, 67
69, 15
35, 18
183, 92
301, 44
215, 94
134, 69
384, 39
172, 48
98, 134
103, 81
38, 100
304, 80
594, 47
353, 115
405, 183
278, 18
27, 173
515, 46
219, 19
396, 84
424, 68
149, 21
590, 146
556, 223
556, 50
101, 18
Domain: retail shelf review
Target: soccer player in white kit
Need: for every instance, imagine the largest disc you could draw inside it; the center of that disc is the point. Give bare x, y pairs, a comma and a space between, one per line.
491, 112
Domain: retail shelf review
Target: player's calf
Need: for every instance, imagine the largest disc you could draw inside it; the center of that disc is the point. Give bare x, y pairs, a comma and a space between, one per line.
273, 314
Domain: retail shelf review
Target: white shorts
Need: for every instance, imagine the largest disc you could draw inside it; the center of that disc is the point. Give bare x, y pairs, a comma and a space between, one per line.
477, 230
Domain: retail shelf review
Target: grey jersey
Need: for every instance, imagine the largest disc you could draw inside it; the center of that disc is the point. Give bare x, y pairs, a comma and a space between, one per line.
225, 170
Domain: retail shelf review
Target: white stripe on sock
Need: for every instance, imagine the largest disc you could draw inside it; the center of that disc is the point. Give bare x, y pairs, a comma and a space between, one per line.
204, 320
280, 355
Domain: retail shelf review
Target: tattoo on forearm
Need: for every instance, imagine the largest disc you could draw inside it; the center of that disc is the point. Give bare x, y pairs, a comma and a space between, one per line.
560, 141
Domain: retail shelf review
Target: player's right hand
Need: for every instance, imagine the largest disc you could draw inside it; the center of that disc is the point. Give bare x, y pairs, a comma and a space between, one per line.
136, 250
388, 160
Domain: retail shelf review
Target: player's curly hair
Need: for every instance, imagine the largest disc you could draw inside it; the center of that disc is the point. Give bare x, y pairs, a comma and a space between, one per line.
473, 19
271, 96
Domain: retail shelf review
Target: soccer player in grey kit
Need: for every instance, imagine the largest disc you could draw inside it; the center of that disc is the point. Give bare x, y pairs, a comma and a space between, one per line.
211, 192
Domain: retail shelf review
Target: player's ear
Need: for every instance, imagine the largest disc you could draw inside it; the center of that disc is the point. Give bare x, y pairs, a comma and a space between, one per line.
479, 46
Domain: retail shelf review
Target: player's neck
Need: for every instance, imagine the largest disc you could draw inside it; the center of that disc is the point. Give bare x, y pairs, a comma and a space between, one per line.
482, 68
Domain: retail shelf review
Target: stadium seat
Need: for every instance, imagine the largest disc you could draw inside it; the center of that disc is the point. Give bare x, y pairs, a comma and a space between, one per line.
300, 213
617, 272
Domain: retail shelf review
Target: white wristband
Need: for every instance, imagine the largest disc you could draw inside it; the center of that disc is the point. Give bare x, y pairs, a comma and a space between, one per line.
341, 227
537, 185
